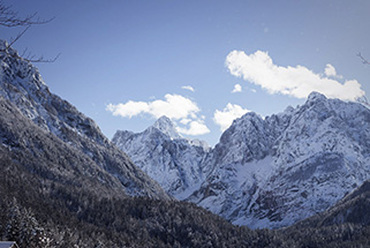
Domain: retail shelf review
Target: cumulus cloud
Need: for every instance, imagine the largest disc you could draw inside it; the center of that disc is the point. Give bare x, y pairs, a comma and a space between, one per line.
331, 72
298, 81
188, 87
176, 107
224, 118
237, 88
196, 127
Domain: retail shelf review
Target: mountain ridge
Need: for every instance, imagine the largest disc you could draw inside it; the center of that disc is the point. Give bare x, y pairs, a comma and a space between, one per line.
308, 147
58, 188
168, 158
22, 84
262, 167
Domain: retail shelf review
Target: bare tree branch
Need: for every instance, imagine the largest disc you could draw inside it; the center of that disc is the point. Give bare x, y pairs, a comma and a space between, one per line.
364, 61
29, 57
10, 18
18, 36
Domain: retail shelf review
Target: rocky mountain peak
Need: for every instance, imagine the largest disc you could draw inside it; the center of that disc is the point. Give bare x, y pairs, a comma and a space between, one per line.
168, 158
316, 96
274, 171
265, 172
166, 126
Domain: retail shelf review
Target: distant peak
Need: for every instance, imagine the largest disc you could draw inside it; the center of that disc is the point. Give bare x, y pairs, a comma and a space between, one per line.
314, 96
289, 109
163, 120
166, 126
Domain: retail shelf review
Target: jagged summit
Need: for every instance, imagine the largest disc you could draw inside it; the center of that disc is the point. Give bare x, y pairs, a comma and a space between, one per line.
272, 172
168, 158
166, 126
267, 172
314, 95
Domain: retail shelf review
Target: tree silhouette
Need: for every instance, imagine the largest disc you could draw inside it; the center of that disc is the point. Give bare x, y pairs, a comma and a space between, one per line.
10, 19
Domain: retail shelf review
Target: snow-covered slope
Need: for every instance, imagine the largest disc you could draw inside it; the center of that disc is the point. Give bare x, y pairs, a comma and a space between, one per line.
267, 172
160, 151
21, 83
276, 171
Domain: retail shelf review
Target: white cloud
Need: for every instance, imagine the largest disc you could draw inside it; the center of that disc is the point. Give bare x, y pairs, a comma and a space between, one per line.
128, 109
188, 87
330, 71
298, 81
185, 121
196, 127
237, 88
225, 117
176, 107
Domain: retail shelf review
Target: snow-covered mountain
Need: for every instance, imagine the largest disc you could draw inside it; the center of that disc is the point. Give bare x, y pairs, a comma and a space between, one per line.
21, 84
174, 162
275, 171
267, 172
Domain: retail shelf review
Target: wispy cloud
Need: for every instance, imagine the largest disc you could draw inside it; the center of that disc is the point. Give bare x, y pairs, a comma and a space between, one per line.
188, 87
298, 81
176, 107
237, 88
224, 118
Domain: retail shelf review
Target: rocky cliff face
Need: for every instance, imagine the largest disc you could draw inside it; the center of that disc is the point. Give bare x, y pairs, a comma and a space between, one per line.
267, 172
168, 158
276, 171
21, 84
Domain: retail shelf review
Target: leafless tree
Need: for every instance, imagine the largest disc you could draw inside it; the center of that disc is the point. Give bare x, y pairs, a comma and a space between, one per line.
10, 19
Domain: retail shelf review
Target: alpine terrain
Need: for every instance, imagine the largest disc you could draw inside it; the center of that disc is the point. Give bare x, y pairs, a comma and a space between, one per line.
168, 158
264, 172
22, 84
64, 184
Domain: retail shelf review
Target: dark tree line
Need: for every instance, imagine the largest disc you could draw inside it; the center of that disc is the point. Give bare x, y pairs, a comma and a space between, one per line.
47, 200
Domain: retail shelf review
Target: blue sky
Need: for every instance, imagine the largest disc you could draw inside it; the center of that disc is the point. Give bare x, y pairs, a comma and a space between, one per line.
125, 63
